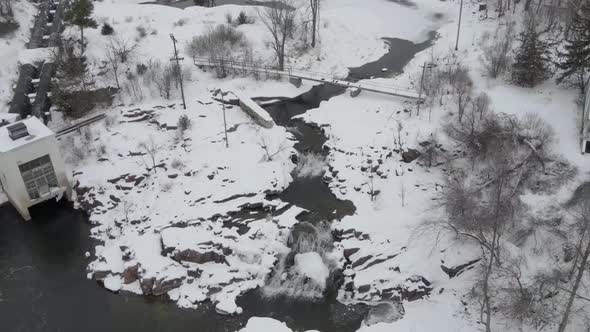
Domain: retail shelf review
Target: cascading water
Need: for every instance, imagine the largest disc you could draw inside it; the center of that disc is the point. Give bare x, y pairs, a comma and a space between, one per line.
305, 270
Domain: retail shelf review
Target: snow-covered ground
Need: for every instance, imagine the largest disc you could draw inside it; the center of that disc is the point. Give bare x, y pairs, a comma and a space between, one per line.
170, 229
11, 47
174, 210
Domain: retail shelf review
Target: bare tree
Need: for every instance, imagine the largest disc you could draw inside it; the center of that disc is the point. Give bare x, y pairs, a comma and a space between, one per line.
279, 19
163, 81
269, 151
462, 86
581, 227
508, 156
151, 148
496, 55
123, 48
112, 60
314, 8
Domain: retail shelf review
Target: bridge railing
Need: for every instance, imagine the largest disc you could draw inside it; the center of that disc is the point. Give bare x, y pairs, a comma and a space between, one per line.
304, 74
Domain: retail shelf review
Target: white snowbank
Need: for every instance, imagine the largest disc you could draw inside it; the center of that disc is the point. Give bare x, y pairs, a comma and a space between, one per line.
36, 55
113, 283
264, 324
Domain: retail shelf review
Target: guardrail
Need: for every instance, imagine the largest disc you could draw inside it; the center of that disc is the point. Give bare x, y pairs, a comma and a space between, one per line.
80, 124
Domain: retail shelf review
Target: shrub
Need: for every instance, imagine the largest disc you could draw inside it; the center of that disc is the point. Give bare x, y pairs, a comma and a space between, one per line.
77, 154
141, 31
107, 29
180, 22
244, 19
184, 123
101, 150
218, 42
177, 164
228, 18
141, 68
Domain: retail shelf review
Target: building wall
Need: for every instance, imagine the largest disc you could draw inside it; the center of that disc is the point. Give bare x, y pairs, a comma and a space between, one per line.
12, 180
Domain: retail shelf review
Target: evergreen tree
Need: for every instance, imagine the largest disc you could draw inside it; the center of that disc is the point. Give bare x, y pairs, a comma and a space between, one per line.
107, 29
80, 13
575, 58
532, 57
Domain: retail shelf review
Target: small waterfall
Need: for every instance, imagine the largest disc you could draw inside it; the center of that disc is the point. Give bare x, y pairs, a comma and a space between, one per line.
305, 270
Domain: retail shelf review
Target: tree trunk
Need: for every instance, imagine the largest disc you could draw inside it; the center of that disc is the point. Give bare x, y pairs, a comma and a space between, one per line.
82, 38
282, 54
486, 296
117, 79
570, 302
313, 28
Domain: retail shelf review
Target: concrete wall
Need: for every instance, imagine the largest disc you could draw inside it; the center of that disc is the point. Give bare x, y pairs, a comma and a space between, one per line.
13, 183
256, 116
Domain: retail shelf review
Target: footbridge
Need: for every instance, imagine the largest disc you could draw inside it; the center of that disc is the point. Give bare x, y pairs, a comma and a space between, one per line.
295, 76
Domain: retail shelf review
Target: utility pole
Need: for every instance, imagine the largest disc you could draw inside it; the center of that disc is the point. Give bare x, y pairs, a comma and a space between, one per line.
215, 93
429, 65
420, 93
459, 26
179, 71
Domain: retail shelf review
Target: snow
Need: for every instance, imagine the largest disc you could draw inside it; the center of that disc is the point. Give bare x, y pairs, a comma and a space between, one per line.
113, 283
311, 265
36, 55
9, 117
265, 324
168, 211
37, 131
226, 307
254, 107
11, 48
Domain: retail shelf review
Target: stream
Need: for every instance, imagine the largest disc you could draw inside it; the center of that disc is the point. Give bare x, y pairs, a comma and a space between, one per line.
43, 284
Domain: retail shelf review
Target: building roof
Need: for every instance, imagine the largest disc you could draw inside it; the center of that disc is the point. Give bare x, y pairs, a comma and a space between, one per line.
37, 131
8, 117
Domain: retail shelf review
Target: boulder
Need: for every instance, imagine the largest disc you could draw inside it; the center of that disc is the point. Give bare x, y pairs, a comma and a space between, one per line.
147, 285
190, 255
131, 274
349, 252
410, 155
163, 286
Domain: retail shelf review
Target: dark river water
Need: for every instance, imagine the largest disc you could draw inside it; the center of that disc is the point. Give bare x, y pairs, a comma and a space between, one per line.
43, 284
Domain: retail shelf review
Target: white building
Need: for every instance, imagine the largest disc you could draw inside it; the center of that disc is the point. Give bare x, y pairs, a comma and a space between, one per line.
31, 167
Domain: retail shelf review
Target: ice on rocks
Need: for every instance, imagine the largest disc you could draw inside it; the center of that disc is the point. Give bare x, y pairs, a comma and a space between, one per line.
113, 283
311, 265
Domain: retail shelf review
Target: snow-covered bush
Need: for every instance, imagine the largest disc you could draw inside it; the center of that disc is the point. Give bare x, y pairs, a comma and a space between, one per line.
217, 43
